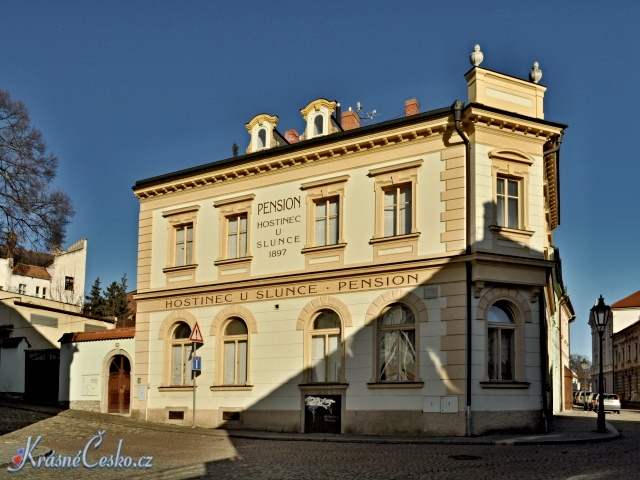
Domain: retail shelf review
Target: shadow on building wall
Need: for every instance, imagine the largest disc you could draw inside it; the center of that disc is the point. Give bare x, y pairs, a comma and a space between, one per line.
431, 386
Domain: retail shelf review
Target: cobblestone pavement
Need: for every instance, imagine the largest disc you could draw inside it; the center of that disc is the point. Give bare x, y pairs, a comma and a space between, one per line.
185, 453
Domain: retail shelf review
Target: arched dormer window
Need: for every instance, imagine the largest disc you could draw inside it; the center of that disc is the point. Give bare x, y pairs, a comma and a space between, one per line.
318, 115
262, 129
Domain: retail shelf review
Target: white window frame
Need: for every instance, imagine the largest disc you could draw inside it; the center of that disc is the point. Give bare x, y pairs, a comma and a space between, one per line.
392, 177
508, 165
181, 219
328, 355
229, 263
239, 378
401, 332
185, 347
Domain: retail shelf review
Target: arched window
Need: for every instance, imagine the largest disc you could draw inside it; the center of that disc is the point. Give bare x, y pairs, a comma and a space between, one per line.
501, 342
326, 348
397, 345
181, 354
318, 125
262, 139
235, 342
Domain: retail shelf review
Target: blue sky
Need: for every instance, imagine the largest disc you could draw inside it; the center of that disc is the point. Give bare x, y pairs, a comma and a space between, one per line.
128, 90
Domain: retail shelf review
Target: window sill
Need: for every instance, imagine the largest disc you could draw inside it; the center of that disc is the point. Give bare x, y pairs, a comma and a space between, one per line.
504, 384
325, 387
177, 388
514, 234
182, 268
230, 388
394, 238
379, 385
233, 261
324, 248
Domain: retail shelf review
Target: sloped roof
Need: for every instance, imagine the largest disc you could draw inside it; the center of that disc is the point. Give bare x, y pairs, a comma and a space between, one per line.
631, 301
31, 271
13, 342
95, 335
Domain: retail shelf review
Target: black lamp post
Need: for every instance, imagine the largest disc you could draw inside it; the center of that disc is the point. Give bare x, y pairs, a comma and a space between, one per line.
600, 315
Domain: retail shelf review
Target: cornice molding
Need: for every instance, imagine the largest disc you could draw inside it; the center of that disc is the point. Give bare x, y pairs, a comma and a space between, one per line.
271, 164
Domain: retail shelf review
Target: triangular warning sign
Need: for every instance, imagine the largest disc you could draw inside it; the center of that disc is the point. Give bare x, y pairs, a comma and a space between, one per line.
196, 334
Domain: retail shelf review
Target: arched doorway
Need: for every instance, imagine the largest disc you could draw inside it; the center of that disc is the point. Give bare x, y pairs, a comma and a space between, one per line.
119, 385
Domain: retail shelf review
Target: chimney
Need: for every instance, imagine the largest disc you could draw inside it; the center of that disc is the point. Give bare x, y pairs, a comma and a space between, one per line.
350, 120
411, 107
291, 136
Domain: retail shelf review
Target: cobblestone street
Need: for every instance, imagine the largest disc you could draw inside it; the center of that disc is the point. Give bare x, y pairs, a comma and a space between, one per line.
185, 453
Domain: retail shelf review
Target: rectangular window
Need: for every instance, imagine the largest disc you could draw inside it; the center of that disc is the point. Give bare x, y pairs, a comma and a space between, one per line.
500, 354
184, 245
22, 289
508, 202
397, 210
237, 236
327, 221
181, 364
325, 358
235, 363
68, 283
44, 292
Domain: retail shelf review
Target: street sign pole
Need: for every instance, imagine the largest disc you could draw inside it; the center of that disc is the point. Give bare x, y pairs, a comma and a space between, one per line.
193, 376
195, 337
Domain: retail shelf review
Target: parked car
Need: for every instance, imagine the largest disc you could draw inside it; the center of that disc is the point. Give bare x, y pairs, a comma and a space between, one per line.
591, 400
611, 403
582, 398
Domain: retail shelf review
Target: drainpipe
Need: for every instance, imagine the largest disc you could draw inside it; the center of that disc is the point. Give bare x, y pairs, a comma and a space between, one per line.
457, 108
544, 355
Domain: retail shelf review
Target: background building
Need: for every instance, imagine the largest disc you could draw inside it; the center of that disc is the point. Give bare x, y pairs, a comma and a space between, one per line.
620, 350
58, 276
387, 278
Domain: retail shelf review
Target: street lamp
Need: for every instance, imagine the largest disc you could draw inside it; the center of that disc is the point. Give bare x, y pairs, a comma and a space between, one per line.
600, 315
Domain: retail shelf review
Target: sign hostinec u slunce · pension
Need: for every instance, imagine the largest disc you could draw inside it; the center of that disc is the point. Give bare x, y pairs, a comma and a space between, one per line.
292, 291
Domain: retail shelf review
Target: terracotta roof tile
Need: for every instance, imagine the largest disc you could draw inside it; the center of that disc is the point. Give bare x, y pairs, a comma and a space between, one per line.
31, 271
95, 335
631, 301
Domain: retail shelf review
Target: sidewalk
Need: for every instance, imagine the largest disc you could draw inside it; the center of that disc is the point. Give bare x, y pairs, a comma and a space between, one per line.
570, 427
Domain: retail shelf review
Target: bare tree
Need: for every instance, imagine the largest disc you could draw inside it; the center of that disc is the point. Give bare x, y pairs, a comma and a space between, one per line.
30, 209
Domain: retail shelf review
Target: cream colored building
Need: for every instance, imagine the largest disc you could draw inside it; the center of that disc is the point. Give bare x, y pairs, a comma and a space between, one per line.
392, 278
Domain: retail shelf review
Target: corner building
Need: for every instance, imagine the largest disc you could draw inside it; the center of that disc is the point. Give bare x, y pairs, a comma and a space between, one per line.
392, 278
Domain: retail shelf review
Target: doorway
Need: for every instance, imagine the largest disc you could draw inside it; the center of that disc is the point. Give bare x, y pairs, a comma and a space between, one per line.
119, 397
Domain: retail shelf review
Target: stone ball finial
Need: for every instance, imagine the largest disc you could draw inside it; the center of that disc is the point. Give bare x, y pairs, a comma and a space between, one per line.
476, 56
535, 74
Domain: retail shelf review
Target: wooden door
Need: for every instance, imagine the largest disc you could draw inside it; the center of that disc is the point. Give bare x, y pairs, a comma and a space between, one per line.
119, 385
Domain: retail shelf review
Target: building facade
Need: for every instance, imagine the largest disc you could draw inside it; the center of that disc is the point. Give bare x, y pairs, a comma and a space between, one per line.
621, 365
58, 276
393, 278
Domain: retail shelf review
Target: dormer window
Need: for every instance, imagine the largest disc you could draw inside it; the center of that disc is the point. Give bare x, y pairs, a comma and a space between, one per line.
319, 117
262, 129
